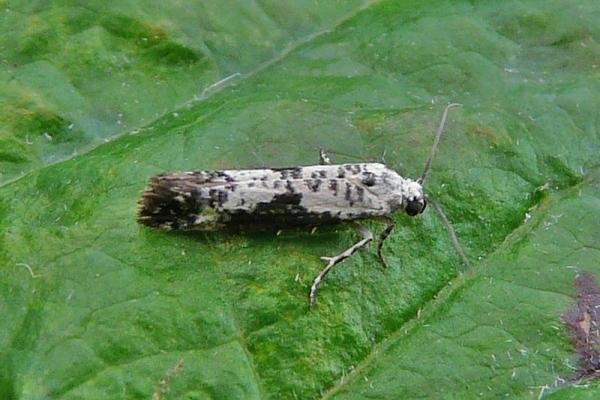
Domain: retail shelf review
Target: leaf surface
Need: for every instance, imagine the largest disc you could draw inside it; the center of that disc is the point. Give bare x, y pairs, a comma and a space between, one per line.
96, 306
76, 74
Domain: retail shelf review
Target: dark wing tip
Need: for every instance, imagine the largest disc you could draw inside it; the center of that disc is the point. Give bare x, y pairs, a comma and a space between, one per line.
154, 202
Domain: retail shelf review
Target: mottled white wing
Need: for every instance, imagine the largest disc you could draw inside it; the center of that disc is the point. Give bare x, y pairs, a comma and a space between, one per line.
271, 197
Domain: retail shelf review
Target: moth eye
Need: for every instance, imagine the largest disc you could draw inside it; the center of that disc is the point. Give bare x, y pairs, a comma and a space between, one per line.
415, 207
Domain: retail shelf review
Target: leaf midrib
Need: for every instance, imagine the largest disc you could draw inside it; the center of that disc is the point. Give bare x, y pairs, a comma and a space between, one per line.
444, 296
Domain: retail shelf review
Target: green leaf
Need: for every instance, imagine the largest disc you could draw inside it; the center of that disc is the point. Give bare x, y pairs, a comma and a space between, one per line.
494, 332
75, 75
95, 306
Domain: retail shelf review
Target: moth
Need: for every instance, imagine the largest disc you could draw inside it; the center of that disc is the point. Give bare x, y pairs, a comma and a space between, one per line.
279, 198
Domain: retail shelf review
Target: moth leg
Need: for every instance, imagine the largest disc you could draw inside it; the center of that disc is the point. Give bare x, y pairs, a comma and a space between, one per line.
324, 157
366, 235
383, 153
384, 235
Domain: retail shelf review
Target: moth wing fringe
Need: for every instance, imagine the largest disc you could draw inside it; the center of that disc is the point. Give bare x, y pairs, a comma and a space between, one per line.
154, 206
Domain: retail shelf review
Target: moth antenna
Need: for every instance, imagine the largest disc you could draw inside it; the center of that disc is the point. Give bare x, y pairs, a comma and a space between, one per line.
451, 232
436, 141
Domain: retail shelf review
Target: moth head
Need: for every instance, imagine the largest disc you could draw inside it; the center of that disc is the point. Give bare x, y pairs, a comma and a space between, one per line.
415, 200
416, 206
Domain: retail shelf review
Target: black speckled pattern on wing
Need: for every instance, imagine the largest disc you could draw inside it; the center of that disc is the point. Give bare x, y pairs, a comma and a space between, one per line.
272, 198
